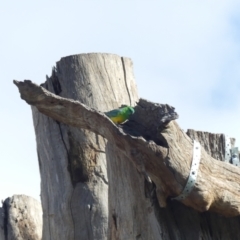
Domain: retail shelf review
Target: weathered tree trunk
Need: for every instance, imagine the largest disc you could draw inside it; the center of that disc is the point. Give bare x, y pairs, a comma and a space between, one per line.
98, 189
85, 181
21, 219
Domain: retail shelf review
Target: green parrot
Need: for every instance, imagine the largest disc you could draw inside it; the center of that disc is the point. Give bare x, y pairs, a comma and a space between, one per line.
120, 115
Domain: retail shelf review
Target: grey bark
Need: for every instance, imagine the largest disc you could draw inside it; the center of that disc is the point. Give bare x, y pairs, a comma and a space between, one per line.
2, 237
85, 181
165, 157
21, 219
214, 144
104, 198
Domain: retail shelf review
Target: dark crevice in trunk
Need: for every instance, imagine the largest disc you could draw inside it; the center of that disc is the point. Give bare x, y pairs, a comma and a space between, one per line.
125, 80
5, 220
55, 82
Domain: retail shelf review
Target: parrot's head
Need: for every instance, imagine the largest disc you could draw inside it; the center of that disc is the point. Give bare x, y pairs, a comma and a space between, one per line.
130, 111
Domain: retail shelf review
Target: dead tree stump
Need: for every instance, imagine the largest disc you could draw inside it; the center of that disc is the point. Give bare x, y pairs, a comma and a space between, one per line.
96, 176
85, 180
21, 218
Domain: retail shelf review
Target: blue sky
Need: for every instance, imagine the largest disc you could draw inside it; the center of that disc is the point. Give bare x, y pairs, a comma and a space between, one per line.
185, 53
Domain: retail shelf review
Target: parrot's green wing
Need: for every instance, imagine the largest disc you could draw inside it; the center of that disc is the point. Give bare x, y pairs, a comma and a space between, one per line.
114, 113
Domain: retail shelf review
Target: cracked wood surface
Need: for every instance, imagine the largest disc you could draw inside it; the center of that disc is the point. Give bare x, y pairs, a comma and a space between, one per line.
217, 186
90, 178
85, 179
21, 218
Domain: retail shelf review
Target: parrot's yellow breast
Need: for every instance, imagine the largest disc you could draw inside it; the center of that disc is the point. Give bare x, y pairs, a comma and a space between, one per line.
118, 119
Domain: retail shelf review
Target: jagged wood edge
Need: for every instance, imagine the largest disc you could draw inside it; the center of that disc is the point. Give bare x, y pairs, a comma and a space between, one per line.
161, 164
